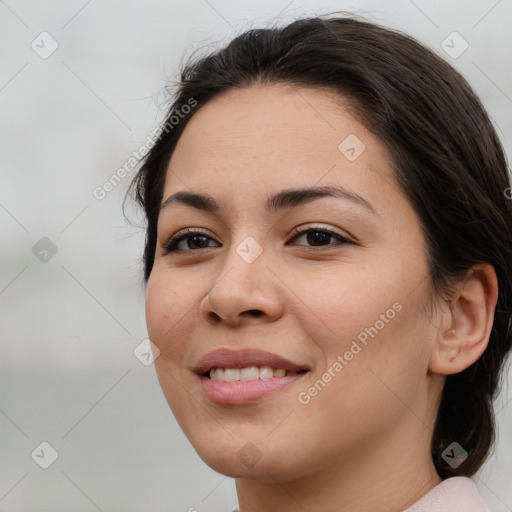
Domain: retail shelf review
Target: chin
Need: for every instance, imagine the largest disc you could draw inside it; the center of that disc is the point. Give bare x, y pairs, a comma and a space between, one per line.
257, 461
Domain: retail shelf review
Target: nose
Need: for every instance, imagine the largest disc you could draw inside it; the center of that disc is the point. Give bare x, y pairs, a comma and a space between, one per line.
243, 293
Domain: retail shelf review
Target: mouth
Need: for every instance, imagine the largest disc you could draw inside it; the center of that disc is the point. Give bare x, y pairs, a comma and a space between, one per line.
239, 377
249, 373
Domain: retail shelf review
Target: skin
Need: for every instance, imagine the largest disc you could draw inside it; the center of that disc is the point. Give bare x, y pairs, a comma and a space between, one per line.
363, 442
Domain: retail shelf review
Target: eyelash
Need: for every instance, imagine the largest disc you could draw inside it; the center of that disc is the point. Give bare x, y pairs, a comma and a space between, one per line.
172, 244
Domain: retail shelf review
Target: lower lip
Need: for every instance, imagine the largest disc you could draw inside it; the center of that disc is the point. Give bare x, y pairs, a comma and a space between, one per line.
244, 392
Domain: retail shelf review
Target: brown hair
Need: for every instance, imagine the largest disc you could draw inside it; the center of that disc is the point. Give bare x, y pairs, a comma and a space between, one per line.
447, 158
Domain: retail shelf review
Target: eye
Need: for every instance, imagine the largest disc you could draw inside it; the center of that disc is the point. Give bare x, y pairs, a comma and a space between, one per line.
187, 240
318, 237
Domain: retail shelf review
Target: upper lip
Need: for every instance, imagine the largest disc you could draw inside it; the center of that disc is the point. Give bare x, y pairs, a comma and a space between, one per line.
242, 358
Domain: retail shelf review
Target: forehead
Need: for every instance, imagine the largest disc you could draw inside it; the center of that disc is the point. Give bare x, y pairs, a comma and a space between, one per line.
263, 138
285, 118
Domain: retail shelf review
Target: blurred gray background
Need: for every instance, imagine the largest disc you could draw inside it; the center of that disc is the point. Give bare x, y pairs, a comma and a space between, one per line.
71, 295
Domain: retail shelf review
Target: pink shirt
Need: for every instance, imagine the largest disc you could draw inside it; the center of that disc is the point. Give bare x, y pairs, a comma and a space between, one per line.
455, 494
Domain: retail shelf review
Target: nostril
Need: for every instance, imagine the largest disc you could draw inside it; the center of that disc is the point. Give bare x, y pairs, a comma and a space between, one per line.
254, 312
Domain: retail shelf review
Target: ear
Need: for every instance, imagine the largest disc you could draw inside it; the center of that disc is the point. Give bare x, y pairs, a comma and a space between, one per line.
466, 322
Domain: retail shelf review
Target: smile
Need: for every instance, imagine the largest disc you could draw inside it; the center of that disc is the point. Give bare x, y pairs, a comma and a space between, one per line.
245, 376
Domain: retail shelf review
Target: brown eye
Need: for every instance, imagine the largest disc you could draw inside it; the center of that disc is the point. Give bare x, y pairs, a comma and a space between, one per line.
186, 242
320, 237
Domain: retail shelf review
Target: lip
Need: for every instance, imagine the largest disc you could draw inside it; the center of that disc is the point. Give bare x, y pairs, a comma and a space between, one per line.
225, 358
245, 392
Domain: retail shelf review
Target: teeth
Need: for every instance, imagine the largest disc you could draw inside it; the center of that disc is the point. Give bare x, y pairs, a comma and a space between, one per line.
249, 373
266, 372
231, 374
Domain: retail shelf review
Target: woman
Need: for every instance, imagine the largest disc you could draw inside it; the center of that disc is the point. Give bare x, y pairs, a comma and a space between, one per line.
328, 267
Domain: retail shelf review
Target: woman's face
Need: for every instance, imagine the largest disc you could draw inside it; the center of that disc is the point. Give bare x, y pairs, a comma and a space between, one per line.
340, 305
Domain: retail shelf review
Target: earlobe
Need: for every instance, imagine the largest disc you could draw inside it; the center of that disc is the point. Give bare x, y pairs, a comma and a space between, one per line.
465, 326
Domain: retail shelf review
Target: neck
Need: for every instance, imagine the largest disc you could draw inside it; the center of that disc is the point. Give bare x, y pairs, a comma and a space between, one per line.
380, 477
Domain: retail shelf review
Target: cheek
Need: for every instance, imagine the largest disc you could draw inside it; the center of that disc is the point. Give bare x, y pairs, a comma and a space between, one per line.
378, 381
342, 301
370, 319
391, 355
169, 311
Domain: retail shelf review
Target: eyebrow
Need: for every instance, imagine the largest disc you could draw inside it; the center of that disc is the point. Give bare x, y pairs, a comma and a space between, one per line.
283, 200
